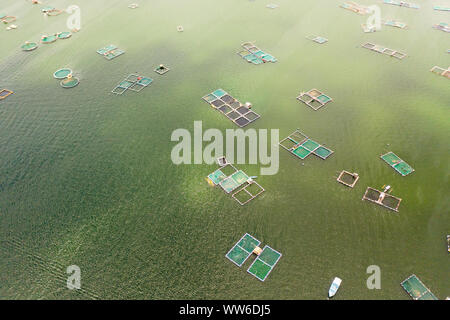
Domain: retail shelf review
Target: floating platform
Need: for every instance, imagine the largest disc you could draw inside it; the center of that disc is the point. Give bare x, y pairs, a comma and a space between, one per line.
416, 289
397, 164
441, 71
317, 39
354, 7
302, 146
133, 82
236, 182
161, 69
402, 4
229, 106
395, 24
262, 266
255, 55
62, 73
381, 198
110, 52
442, 26
4, 93
29, 46
348, 179
314, 99
384, 50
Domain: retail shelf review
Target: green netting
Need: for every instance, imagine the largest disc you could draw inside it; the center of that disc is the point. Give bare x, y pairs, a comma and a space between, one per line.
219, 93
414, 287
248, 243
49, 39
323, 98
217, 176
125, 84
238, 255
323, 152
259, 269
301, 152
428, 296
64, 35
259, 53
310, 145
29, 46
62, 73
2, 15
403, 168
240, 177
145, 81
269, 256
391, 158
229, 185
69, 83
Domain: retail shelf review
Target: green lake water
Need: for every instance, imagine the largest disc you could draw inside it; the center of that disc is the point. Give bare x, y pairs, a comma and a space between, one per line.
86, 177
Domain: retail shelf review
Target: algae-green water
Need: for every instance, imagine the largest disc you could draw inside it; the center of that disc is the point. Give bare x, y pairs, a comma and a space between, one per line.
86, 176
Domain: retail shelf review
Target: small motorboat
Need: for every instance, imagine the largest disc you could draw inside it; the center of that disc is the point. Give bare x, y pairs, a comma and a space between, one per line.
334, 287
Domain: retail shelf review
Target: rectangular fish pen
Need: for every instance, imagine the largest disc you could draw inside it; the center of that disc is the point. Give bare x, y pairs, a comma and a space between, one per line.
317, 39
253, 54
133, 82
354, 7
441, 71
240, 114
348, 179
416, 289
266, 258
236, 182
402, 4
110, 52
382, 198
301, 146
397, 164
384, 50
396, 24
314, 98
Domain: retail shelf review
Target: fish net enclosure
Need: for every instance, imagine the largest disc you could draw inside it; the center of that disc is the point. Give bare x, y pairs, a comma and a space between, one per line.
373, 194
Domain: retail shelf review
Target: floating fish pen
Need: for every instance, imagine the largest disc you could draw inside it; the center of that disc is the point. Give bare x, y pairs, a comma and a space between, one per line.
317, 39
236, 182
416, 289
69, 82
7, 19
110, 52
49, 39
384, 50
354, 7
51, 11
395, 24
301, 146
402, 4
252, 54
62, 73
29, 46
397, 164
441, 71
442, 26
440, 8
314, 99
4, 93
133, 82
64, 35
230, 107
348, 179
161, 69
262, 266
382, 198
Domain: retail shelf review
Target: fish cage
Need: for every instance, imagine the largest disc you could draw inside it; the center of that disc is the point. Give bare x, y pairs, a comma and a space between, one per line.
348, 179
133, 82
110, 52
384, 50
4, 93
230, 107
402, 4
69, 82
253, 54
382, 198
301, 146
161, 69
266, 258
355, 7
397, 164
416, 289
317, 39
29, 46
395, 24
441, 71
62, 73
49, 39
64, 35
314, 98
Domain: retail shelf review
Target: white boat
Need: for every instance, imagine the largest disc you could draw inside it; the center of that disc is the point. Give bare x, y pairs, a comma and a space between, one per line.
334, 287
